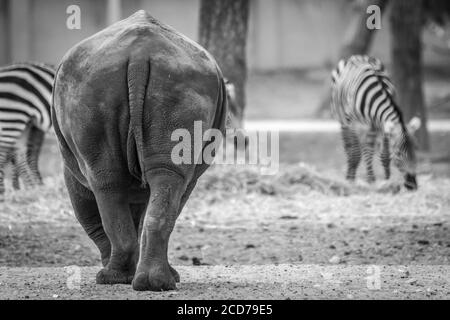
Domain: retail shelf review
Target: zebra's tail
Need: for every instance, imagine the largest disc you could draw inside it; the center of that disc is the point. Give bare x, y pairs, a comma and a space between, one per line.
138, 74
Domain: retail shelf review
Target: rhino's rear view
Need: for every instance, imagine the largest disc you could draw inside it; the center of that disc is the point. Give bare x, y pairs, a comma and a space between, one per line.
118, 97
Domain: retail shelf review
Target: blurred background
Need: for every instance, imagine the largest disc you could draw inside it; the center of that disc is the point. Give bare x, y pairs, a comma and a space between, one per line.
283, 34
278, 54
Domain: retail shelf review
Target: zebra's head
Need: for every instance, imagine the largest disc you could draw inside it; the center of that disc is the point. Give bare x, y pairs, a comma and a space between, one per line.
403, 146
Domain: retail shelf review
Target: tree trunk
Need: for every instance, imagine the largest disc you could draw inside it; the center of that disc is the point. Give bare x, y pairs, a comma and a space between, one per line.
358, 40
406, 57
223, 32
4, 33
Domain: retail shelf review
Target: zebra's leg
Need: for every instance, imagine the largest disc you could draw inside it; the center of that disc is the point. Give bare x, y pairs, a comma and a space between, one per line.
386, 158
368, 152
5, 151
352, 149
34, 146
23, 169
15, 171
86, 212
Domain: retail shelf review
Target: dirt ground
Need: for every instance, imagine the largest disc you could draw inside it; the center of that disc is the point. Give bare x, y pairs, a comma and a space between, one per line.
236, 217
236, 282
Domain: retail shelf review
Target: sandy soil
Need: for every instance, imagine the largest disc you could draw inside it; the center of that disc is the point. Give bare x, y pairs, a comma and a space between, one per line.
237, 282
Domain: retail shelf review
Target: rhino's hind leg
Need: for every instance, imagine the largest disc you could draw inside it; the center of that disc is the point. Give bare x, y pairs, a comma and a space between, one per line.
153, 271
86, 211
138, 214
120, 229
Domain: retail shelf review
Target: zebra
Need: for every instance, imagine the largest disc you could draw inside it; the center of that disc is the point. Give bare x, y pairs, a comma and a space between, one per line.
363, 100
25, 97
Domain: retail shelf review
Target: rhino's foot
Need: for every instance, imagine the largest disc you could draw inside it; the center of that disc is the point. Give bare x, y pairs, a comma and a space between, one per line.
158, 278
109, 276
175, 274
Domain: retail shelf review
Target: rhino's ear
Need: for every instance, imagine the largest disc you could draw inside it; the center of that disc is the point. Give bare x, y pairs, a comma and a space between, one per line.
231, 90
414, 124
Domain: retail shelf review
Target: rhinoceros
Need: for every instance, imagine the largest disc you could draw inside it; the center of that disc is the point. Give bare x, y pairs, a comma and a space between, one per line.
118, 96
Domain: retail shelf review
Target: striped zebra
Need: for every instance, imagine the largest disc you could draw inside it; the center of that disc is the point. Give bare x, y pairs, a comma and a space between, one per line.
25, 97
363, 100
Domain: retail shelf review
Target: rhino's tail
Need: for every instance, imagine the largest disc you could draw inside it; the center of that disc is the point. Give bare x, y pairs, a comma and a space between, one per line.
138, 76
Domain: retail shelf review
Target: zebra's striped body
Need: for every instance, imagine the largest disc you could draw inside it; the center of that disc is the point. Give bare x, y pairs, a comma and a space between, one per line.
363, 100
25, 97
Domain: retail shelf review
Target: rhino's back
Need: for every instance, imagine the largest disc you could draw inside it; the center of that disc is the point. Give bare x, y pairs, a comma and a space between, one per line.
140, 36
91, 89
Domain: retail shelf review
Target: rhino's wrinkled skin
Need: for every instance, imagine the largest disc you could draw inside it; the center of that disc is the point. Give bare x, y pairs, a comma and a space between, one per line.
118, 97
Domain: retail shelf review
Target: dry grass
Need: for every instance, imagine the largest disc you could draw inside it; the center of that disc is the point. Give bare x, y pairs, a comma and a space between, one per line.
291, 179
49, 203
219, 183
321, 193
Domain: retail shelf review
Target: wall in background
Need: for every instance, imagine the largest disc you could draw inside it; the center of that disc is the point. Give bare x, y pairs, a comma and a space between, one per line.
4, 32
283, 33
